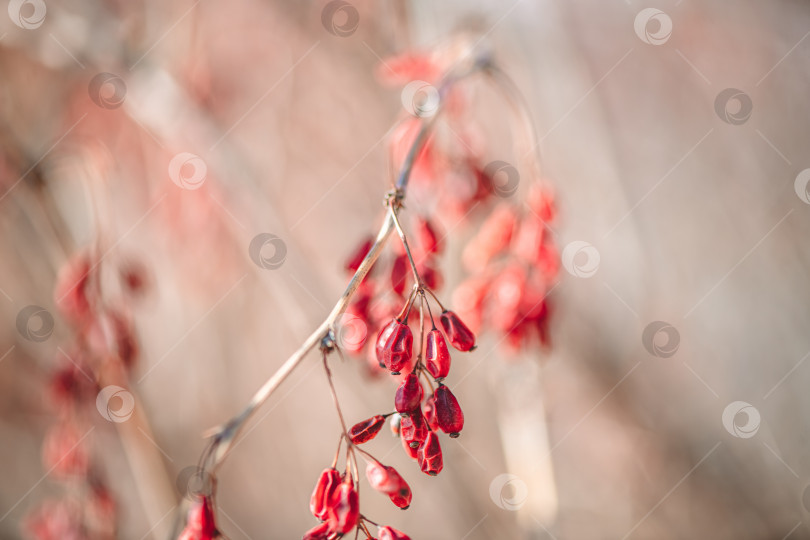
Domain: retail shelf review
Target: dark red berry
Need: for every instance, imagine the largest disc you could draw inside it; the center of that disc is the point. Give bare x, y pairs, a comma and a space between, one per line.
326, 484
389, 533
413, 428
367, 429
437, 357
457, 332
387, 480
449, 415
398, 348
409, 395
429, 455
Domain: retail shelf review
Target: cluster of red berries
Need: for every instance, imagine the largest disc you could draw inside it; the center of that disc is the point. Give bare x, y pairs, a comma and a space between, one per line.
104, 347
418, 416
513, 262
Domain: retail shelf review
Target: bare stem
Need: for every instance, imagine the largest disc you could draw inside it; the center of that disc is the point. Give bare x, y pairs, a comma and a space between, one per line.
334, 395
401, 233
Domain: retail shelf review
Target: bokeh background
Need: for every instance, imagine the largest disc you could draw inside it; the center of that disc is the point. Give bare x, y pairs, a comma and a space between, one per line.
692, 198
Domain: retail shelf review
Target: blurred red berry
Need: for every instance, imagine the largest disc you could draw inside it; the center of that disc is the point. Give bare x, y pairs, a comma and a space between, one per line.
389, 533
359, 253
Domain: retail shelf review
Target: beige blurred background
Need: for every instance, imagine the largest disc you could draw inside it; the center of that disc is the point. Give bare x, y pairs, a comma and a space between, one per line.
696, 221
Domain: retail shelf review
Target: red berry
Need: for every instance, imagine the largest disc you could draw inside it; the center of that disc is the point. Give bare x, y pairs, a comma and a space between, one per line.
429, 411
437, 357
430, 455
399, 274
359, 253
457, 332
200, 522
318, 532
429, 240
389, 533
413, 428
449, 416
367, 429
319, 502
409, 395
382, 339
343, 509
398, 348
387, 480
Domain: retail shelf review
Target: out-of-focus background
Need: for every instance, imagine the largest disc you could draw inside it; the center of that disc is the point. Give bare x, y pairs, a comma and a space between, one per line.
673, 403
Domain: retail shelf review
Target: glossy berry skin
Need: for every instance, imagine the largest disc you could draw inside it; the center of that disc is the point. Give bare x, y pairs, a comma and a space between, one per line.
457, 332
429, 455
319, 502
367, 429
398, 348
318, 532
413, 428
409, 395
437, 357
429, 412
389, 533
382, 339
449, 416
343, 509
